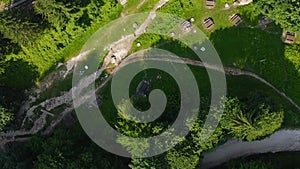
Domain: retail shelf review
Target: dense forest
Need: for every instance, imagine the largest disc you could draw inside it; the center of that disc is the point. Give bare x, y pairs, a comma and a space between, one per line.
36, 37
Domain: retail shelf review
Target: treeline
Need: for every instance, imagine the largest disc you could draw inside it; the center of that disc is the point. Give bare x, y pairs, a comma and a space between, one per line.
286, 13
71, 148
35, 37
44, 30
238, 121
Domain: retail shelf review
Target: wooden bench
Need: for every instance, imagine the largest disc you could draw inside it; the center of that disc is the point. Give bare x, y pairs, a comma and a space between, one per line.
236, 19
208, 23
210, 4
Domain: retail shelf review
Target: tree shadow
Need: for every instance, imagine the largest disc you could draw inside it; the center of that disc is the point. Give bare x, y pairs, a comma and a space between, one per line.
18, 74
249, 48
261, 52
84, 21
22, 25
75, 3
8, 47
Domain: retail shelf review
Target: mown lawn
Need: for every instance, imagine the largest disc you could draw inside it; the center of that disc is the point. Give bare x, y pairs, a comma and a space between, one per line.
253, 49
137, 6
219, 14
242, 47
259, 52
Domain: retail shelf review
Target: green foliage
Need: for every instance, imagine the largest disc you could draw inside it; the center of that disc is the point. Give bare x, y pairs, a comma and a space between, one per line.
284, 12
139, 130
180, 158
253, 165
55, 30
249, 14
23, 80
249, 125
54, 12
7, 47
173, 7
201, 139
69, 149
5, 1
156, 162
147, 40
19, 26
5, 117
292, 53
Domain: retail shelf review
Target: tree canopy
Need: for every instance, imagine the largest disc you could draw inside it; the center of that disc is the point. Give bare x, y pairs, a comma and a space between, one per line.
249, 125
283, 12
5, 117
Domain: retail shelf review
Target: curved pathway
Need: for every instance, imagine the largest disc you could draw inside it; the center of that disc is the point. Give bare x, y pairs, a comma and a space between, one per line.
226, 70
284, 140
125, 44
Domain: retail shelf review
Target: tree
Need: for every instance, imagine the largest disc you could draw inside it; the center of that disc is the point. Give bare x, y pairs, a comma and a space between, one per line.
5, 117
19, 26
183, 157
249, 125
5, 1
54, 12
133, 129
69, 149
25, 77
258, 164
283, 12
201, 141
157, 162
292, 53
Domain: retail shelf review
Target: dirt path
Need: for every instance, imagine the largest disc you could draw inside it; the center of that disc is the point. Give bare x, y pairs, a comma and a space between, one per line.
282, 140
48, 105
227, 70
123, 44
141, 3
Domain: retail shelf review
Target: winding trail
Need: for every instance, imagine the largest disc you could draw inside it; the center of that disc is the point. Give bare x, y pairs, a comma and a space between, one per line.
229, 71
124, 45
283, 140
226, 70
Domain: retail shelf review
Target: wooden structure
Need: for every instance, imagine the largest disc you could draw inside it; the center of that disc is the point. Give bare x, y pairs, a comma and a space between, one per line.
210, 4
236, 19
290, 37
143, 89
186, 26
208, 23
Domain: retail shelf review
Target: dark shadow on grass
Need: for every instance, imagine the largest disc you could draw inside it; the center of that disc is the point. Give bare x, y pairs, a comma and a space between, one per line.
263, 53
7, 47
18, 74
22, 25
17, 77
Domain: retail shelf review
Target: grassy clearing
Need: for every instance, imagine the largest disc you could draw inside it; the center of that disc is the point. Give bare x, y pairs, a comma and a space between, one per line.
166, 84
219, 14
247, 89
252, 49
259, 52
138, 6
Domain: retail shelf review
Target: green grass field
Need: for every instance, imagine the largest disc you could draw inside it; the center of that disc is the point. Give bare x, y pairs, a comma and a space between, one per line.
137, 6
251, 49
